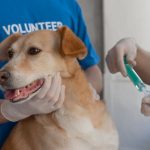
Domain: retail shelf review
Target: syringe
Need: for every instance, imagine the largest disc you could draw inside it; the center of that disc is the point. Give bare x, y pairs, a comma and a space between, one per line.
134, 77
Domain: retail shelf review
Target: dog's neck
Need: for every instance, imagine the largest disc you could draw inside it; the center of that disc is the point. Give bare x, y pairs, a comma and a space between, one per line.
77, 88
77, 85
78, 96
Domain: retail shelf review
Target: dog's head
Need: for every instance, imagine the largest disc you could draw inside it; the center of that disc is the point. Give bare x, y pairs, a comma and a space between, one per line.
34, 56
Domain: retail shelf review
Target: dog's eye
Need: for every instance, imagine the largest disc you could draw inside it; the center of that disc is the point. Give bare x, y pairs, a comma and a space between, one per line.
34, 51
10, 53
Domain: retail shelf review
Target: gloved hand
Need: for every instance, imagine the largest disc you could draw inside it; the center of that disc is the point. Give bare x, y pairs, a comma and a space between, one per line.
50, 98
115, 57
145, 106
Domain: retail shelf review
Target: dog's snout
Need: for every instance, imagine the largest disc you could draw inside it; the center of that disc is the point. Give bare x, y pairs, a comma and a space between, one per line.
4, 76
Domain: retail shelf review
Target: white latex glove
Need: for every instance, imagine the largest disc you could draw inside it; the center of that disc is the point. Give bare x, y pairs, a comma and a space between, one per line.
50, 98
145, 106
115, 57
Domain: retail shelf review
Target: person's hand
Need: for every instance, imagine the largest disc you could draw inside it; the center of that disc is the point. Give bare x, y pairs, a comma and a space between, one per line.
95, 95
145, 106
50, 98
115, 57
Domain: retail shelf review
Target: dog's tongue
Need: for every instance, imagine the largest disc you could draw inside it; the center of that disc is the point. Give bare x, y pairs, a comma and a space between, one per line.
24, 92
16, 94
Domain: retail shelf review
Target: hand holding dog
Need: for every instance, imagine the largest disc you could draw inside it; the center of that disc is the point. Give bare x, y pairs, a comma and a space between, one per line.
50, 98
115, 57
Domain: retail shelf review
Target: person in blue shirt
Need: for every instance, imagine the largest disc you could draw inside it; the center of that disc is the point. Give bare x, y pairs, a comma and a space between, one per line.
27, 16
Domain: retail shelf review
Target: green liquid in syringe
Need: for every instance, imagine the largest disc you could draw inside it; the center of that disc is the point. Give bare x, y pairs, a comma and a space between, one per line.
136, 80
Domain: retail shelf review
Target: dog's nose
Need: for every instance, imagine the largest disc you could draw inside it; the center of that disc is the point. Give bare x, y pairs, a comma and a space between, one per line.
4, 76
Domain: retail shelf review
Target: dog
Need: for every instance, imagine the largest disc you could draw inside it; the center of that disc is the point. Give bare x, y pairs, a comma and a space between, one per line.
82, 123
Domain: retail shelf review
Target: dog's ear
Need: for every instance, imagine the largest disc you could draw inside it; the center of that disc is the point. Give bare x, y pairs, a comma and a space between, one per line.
71, 45
5, 45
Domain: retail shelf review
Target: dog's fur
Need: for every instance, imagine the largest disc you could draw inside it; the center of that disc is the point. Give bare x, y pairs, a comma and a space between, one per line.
82, 123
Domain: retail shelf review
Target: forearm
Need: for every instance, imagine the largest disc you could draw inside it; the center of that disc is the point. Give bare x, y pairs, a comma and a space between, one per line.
143, 64
2, 119
94, 76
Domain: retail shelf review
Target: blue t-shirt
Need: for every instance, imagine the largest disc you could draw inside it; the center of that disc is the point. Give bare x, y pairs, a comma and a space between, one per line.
30, 15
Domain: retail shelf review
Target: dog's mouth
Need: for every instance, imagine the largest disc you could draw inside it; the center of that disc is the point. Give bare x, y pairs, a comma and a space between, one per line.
20, 94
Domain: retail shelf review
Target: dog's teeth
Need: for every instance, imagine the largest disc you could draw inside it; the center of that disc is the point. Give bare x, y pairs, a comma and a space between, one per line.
17, 93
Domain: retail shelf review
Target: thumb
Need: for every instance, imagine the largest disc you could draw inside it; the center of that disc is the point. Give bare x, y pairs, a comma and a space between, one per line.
45, 88
131, 58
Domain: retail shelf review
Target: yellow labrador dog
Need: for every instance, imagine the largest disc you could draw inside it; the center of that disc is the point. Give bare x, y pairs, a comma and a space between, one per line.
82, 123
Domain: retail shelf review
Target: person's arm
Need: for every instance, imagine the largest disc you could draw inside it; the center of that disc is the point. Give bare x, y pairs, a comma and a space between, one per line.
94, 76
142, 68
143, 64
89, 64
